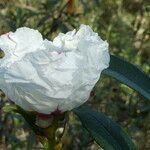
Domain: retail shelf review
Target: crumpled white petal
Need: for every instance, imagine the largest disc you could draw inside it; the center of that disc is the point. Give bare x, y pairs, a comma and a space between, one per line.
43, 76
17, 44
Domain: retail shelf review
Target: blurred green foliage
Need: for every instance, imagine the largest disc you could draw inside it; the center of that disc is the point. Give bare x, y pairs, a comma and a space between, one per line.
125, 24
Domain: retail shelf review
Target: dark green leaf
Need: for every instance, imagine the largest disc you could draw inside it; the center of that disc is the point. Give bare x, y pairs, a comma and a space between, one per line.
130, 75
108, 134
29, 117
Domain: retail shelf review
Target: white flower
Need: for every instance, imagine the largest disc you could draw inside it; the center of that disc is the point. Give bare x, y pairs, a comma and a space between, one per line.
43, 76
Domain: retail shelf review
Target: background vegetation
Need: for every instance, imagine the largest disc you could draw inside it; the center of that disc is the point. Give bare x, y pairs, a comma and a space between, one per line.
125, 24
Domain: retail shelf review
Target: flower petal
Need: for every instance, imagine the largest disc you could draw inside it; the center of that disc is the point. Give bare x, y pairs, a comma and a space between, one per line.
53, 74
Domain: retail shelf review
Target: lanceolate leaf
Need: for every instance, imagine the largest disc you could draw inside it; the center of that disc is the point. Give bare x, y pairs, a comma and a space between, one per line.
108, 134
28, 116
130, 75
30, 119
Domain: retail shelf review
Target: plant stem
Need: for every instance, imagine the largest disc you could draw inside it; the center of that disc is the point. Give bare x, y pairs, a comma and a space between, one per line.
51, 145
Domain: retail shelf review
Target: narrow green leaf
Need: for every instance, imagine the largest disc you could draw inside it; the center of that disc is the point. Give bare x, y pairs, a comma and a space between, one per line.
130, 75
108, 134
27, 115
30, 118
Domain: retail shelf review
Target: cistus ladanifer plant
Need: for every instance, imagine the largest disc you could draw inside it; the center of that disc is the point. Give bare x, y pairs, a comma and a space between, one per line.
49, 79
